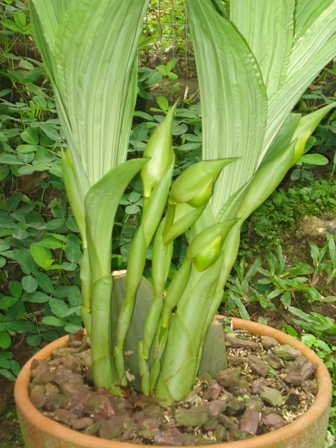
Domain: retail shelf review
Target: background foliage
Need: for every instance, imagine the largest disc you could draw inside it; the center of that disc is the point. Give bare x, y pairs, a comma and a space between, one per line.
40, 250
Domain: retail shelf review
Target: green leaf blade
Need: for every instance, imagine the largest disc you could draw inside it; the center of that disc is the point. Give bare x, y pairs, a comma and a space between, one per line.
268, 28
231, 81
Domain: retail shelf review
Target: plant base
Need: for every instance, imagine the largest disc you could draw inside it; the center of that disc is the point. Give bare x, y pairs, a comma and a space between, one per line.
308, 431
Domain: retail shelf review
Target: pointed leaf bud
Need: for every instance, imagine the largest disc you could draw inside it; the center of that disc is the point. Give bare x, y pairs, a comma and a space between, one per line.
206, 247
195, 185
160, 152
306, 127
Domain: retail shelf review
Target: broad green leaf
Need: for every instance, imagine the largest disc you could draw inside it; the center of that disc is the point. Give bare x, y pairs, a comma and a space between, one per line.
15, 289
44, 282
233, 87
283, 138
11, 25
20, 234
13, 202
29, 283
313, 159
73, 248
21, 326
30, 135
51, 14
268, 28
33, 340
5, 339
78, 60
69, 266
55, 224
132, 209
24, 258
49, 131
162, 102
101, 204
306, 13
41, 255
26, 149
74, 193
4, 171
5, 363
50, 335
72, 327
6, 355
7, 374
10, 159
37, 297
54, 321
7, 302
315, 36
88, 81
20, 18
294, 87
59, 307
53, 240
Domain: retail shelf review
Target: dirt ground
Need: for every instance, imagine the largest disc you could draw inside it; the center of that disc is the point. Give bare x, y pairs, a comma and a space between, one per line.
10, 435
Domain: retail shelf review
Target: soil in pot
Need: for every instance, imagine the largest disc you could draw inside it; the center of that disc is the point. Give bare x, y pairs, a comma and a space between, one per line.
266, 386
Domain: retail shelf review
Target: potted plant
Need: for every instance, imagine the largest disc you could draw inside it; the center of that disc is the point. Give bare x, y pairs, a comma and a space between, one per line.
254, 62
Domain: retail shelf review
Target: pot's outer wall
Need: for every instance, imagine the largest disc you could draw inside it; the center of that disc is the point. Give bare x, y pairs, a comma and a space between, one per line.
308, 431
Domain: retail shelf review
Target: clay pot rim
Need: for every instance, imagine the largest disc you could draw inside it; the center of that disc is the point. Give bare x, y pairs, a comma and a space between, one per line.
321, 403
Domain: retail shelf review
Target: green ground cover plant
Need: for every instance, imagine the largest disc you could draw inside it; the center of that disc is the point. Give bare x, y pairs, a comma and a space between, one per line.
278, 284
281, 214
166, 24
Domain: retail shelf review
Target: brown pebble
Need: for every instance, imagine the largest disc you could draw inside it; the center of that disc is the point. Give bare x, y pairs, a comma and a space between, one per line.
64, 416
233, 341
229, 377
257, 385
250, 421
258, 366
37, 397
81, 423
268, 342
216, 407
214, 390
273, 420
169, 437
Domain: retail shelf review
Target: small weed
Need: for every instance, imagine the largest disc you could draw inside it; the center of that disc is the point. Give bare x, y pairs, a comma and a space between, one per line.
279, 283
279, 216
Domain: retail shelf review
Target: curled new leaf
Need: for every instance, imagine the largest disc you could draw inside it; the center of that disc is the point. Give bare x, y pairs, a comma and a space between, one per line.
160, 152
206, 247
195, 185
306, 127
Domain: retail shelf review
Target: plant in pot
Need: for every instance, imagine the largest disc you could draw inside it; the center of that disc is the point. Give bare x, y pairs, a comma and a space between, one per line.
254, 61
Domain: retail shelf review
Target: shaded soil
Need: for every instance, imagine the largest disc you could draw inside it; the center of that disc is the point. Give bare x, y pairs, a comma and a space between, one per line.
265, 387
10, 435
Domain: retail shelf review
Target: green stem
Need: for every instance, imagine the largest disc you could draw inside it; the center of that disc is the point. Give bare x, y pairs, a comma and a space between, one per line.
136, 264
186, 336
103, 369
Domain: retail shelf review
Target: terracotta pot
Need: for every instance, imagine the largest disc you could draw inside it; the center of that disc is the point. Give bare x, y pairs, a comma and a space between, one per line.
308, 431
